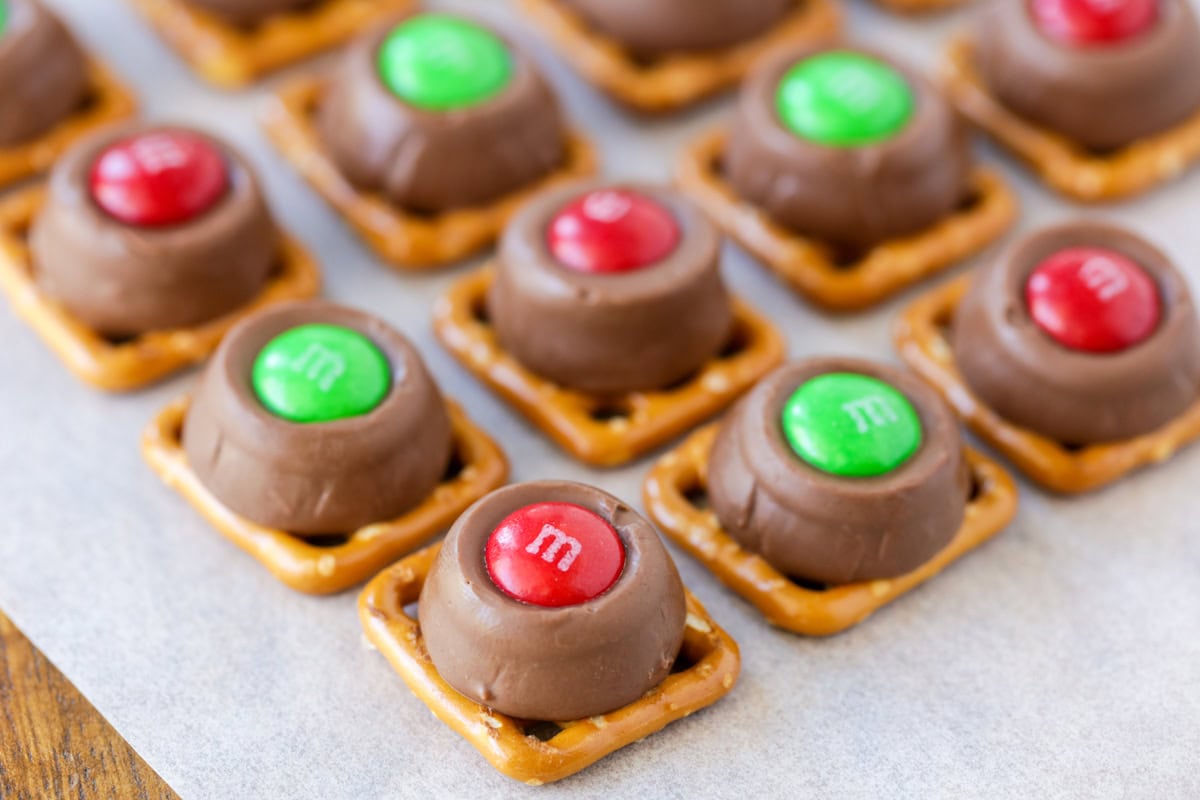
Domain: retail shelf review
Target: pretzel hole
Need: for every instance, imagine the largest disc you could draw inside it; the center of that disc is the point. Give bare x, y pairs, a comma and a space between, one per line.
541, 730
736, 344
249, 28
809, 585
696, 495
479, 310
970, 201
326, 540
684, 661
976, 489
410, 610
611, 410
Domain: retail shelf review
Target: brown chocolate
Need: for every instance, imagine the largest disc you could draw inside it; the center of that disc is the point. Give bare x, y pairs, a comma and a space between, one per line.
656, 28
1071, 396
316, 478
123, 280
828, 529
610, 333
564, 663
850, 197
1102, 97
429, 161
42, 69
248, 12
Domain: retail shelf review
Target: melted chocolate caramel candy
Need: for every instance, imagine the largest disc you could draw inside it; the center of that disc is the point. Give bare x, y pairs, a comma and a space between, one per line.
838, 470
610, 288
148, 227
43, 71
1103, 74
439, 113
521, 613
317, 419
1084, 333
655, 28
249, 12
847, 146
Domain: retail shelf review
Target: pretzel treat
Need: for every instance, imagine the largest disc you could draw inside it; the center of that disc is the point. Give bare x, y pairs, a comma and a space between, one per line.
230, 56
604, 431
813, 268
922, 338
705, 671
317, 567
1064, 165
108, 101
680, 80
673, 495
408, 241
142, 359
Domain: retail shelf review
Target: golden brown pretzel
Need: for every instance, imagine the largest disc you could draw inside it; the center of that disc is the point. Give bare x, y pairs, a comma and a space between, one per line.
314, 569
711, 668
1064, 165
670, 494
919, 6
604, 431
812, 269
108, 101
231, 56
921, 336
404, 240
670, 83
148, 357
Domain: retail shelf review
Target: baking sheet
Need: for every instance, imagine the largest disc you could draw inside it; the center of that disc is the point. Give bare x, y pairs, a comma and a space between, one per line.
1061, 660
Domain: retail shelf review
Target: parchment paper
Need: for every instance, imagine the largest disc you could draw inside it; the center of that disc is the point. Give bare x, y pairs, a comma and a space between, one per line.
1060, 661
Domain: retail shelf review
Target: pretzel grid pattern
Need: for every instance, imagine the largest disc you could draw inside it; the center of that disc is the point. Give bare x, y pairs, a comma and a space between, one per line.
313, 569
142, 359
1062, 164
669, 494
603, 431
405, 240
812, 269
712, 670
922, 338
108, 101
230, 56
672, 82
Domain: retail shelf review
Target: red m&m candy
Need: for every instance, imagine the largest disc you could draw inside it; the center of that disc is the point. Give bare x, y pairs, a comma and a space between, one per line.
612, 230
1094, 22
1093, 299
554, 554
159, 178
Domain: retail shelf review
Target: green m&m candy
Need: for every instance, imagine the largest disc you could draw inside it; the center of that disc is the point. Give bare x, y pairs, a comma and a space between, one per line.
440, 63
844, 99
319, 373
851, 425
3, 15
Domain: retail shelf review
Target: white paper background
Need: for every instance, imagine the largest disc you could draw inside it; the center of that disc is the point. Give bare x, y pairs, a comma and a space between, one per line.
1062, 660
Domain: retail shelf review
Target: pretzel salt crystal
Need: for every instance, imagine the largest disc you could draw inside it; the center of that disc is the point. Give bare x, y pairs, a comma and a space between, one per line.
922, 340
670, 493
711, 668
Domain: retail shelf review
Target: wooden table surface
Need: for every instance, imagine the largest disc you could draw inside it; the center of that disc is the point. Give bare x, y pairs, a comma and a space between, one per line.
53, 742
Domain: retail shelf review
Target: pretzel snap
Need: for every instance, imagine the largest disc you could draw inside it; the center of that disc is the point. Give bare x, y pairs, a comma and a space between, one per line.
230, 56
673, 494
142, 359
705, 671
813, 269
670, 83
922, 338
604, 431
407, 241
1064, 165
315, 568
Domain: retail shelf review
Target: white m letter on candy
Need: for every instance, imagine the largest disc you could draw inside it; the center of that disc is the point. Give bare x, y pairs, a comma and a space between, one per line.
557, 540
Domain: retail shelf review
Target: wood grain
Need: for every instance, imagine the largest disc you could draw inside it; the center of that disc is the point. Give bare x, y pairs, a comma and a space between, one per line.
53, 742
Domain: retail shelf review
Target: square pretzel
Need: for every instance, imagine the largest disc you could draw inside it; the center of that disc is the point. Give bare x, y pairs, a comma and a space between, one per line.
922, 336
1062, 164
107, 101
705, 671
406, 240
313, 568
812, 268
671, 493
231, 56
672, 82
139, 360
604, 431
